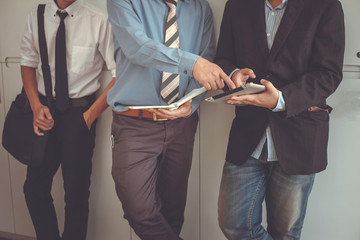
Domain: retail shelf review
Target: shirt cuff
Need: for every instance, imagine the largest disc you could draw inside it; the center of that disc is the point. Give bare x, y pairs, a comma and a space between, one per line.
232, 73
113, 73
280, 106
187, 63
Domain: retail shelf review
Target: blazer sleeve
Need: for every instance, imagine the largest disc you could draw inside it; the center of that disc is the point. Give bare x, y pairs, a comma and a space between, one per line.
325, 64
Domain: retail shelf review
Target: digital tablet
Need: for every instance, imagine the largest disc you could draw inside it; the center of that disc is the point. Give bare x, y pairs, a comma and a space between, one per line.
249, 88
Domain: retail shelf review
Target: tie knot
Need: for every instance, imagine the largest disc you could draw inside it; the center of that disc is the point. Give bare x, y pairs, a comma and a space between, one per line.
62, 15
171, 3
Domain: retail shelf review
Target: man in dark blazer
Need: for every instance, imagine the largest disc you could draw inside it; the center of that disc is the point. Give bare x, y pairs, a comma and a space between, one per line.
278, 141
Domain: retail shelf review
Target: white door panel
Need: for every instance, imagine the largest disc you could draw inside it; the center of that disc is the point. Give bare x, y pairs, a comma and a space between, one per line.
6, 205
333, 211
352, 20
215, 123
12, 25
12, 84
191, 228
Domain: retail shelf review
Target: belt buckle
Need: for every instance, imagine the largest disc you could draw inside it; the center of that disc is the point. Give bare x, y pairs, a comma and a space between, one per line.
158, 120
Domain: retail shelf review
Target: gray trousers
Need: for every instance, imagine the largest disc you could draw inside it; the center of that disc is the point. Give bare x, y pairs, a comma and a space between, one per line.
151, 166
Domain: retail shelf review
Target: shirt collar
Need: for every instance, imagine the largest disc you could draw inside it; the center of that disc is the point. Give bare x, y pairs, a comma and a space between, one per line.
72, 10
281, 6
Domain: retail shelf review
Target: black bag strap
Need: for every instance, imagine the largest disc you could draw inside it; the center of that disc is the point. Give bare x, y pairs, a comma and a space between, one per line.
44, 56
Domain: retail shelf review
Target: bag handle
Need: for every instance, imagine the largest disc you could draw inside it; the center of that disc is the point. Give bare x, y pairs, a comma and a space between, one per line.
44, 56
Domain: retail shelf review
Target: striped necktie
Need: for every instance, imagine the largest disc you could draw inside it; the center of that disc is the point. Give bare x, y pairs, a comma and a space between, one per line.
170, 81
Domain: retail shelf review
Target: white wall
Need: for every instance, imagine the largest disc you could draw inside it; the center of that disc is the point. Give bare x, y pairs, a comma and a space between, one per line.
333, 212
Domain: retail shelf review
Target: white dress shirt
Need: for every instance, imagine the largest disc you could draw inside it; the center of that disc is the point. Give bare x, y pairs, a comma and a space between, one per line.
89, 46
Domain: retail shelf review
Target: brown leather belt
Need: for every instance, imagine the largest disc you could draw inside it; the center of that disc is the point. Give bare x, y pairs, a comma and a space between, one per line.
141, 114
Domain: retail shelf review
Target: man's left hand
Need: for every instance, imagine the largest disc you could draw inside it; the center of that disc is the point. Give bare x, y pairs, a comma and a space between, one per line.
184, 111
87, 119
266, 99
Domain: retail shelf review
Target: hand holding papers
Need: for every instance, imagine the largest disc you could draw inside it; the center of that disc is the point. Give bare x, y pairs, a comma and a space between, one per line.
177, 104
249, 88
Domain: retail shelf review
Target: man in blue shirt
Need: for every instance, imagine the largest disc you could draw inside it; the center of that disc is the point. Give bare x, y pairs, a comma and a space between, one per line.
162, 51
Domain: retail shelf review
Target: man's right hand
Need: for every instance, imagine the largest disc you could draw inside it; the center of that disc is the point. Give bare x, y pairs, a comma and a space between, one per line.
42, 119
241, 76
210, 75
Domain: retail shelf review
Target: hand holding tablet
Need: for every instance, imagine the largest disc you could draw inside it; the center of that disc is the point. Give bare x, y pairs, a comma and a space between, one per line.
249, 88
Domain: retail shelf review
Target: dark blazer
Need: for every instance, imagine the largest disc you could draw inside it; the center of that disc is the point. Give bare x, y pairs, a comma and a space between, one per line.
305, 63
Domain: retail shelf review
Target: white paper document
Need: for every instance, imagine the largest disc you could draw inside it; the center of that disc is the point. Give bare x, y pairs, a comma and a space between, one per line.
175, 105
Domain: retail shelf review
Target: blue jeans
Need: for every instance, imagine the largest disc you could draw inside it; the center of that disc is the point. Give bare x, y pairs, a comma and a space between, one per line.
242, 192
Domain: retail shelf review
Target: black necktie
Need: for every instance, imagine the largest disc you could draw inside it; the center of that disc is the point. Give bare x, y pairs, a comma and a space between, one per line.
61, 78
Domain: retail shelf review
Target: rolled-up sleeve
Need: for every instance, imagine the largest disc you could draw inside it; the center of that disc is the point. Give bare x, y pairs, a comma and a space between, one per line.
28, 52
106, 47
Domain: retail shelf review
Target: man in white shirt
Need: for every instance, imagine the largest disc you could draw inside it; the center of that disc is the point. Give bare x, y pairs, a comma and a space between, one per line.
86, 34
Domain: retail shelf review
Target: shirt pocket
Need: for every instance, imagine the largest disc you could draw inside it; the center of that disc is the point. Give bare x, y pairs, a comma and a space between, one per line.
82, 59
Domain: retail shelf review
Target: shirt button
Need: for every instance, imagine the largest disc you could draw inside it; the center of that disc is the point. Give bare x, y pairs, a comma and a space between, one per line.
268, 75
268, 34
272, 13
185, 71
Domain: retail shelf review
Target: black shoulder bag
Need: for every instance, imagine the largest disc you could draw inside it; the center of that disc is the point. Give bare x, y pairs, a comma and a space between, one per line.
18, 136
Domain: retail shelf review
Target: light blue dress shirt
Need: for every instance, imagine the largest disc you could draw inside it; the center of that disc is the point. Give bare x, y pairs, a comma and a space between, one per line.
273, 18
139, 29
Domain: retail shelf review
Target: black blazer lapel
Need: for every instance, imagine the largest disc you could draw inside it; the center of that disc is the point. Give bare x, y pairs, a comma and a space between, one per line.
260, 25
291, 14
